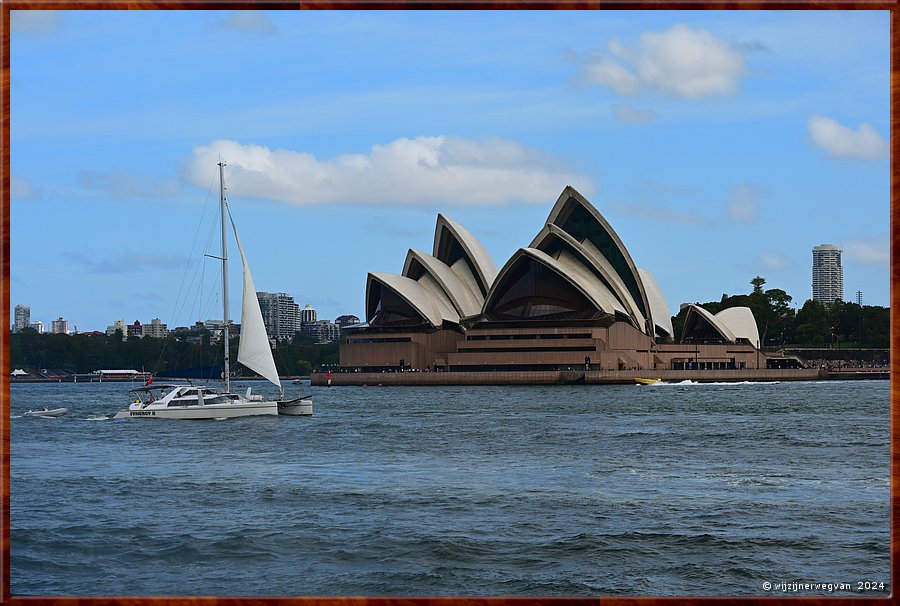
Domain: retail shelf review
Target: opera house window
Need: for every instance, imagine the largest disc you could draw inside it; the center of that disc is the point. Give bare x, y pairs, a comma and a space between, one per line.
534, 292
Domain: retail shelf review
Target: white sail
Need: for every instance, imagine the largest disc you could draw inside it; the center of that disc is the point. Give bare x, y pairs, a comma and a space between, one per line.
254, 351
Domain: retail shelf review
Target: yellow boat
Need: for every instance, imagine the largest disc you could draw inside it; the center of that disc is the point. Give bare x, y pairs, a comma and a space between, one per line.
640, 381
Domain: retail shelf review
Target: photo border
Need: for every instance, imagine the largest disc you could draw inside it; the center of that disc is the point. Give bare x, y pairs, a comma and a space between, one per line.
7, 598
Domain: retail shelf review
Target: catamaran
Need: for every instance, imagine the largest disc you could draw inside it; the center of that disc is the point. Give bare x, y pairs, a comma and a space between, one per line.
254, 352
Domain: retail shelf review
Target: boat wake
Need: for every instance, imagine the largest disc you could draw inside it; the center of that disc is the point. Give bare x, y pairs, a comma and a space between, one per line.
99, 418
688, 383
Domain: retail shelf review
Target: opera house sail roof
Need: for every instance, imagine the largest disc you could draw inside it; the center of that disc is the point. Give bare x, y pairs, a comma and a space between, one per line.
729, 325
575, 270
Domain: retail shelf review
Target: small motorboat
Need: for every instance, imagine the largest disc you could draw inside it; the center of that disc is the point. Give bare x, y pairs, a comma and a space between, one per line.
641, 381
47, 412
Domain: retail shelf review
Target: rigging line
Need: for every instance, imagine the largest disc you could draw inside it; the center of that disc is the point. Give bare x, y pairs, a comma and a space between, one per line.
183, 301
178, 298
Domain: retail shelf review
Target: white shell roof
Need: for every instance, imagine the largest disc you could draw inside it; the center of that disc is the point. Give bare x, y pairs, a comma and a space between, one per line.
459, 291
600, 263
443, 292
658, 307
576, 270
721, 328
741, 322
570, 193
413, 293
485, 268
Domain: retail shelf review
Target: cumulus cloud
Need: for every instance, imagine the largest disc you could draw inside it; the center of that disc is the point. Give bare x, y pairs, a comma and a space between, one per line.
126, 185
743, 203
424, 170
21, 188
865, 143
34, 23
249, 21
626, 114
605, 71
681, 62
869, 251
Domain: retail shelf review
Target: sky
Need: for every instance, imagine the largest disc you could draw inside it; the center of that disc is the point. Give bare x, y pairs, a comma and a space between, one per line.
719, 145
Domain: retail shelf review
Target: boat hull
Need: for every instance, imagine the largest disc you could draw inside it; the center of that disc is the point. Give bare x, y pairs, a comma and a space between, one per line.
52, 414
296, 408
641, 381
200, 411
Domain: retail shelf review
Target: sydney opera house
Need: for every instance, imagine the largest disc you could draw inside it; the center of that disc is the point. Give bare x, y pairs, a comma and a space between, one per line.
572, 299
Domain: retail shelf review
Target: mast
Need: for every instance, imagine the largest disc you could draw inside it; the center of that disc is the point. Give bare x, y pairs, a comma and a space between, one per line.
224, 279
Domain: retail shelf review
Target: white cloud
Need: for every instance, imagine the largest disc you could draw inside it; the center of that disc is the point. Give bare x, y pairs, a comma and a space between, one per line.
837, 140
606, 72
21, 188
34, 23
874, 251
424, 170
626, 114
743, 203
682, 62
249, 21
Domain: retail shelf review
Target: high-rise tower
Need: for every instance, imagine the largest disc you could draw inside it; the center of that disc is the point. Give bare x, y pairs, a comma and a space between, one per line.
827, 274
22, 317
280, 315
307, 315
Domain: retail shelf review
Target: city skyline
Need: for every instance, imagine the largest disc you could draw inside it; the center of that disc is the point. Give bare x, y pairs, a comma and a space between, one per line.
121, 320
345, 133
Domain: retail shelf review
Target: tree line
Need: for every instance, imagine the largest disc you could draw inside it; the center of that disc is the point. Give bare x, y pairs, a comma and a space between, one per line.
838, 324
84, 353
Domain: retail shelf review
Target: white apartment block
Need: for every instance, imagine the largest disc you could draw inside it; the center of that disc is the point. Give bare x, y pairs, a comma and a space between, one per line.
118, 325
155, 329
59, 326
827, 274
280, 313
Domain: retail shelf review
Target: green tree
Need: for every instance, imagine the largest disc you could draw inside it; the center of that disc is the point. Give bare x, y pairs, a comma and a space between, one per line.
303, 368
758, 282
812, 324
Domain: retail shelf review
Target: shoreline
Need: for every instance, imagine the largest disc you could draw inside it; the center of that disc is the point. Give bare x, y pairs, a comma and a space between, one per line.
549, 377
593, 377
70, 379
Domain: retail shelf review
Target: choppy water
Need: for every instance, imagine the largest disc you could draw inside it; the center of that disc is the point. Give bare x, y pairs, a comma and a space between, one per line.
581, 490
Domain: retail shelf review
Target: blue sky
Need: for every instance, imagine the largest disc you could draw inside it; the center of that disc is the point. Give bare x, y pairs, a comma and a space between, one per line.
719, 145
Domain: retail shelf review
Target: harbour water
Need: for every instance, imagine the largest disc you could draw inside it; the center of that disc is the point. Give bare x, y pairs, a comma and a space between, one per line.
685, 489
